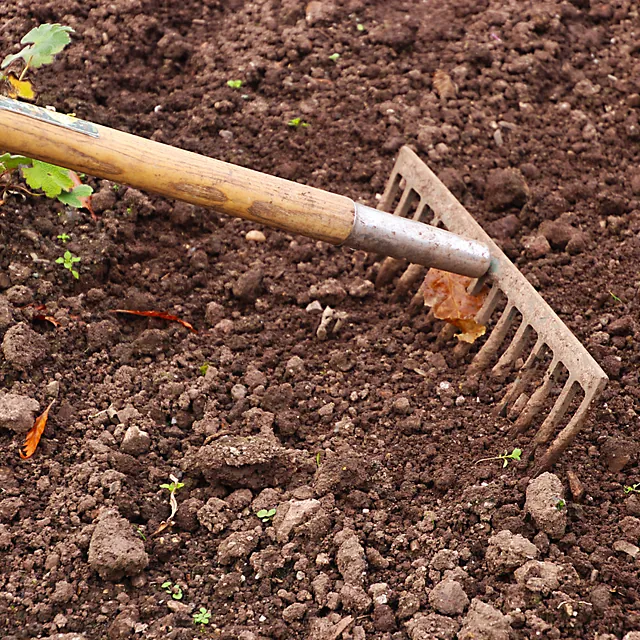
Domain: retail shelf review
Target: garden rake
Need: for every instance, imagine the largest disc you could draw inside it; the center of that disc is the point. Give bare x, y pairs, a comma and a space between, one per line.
527, 340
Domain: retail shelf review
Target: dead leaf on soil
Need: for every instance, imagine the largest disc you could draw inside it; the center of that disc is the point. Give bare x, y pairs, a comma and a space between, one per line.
447, 294
444, 85
85, 200
22, 89
157, 314
35, 433
43, 318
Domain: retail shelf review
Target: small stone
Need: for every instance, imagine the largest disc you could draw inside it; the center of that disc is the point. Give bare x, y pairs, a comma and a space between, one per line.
238, 392
448, 597
402, 406
544, 494
618, 453
505, 227
294, 367
238, 546
329, 292
624, 546
62, 593
17, 413
295, 611
314, 307
214, 313
536, 247
506, 188
507, 551
255, 236
292, 514
361, 288
248, 286
135, 441
624, 326
23, 347
484, 622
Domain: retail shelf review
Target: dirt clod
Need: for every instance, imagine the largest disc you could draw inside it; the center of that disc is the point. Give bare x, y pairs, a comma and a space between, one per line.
17, 412
545, 503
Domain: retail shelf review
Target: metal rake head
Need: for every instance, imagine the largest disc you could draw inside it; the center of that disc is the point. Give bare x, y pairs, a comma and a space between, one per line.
527, 337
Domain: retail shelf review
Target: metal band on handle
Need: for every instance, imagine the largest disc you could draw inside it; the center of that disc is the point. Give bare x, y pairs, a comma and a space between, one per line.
380, 232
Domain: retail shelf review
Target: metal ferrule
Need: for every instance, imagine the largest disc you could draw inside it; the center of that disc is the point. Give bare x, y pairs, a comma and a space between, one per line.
380, 232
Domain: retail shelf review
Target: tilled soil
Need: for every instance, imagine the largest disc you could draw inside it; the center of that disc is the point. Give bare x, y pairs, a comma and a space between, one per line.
365, 442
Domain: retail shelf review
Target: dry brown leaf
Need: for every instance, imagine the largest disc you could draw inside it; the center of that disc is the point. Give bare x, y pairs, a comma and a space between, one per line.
157, 314
444, 85
85, 200
35, 433
43, 318
21, 89
447, 294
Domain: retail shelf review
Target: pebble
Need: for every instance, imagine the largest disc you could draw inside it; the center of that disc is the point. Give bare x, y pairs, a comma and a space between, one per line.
292, 514
543, 496
17, 413
248, 286
448, 597
626, 547
506, 188
508, 551
135, 442
617, 453
213, 313
255, 236
329, 292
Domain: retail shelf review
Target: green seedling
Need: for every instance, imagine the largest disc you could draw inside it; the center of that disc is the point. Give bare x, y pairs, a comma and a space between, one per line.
560, 504
634, 488
172, 488
67, 261
140, 533
202, 616
318, 459
360, 26
234, 84
506, 457
44, 42
63, 237
266, 515
614, 296
203, 368
297, 123
334, 57
173, 590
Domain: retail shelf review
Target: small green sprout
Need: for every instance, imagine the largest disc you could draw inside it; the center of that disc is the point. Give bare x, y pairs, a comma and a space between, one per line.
334, 57
202, 616
266, 515
234, 84
129, 210
63, 237
560, 504
318, 459
172, 488
614, 296
634, 488
297, 122
116, 187
203, 368
173, 590
360, 26
505, 457
68, 260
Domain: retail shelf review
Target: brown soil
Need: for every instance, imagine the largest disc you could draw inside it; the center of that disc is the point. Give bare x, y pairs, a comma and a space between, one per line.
364, 443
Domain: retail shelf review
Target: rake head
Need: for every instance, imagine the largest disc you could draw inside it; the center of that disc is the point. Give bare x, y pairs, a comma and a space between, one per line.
525, 338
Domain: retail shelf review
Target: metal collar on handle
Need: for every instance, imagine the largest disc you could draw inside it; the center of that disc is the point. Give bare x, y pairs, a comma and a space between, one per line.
417, 242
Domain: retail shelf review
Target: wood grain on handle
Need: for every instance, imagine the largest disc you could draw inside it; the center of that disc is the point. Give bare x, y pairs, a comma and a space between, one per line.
175, 173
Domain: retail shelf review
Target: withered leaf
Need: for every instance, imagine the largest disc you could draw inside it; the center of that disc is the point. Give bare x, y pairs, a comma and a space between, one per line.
85, 200
35, 433
22, 89
157, 314
44, 318
446, 293
444, 85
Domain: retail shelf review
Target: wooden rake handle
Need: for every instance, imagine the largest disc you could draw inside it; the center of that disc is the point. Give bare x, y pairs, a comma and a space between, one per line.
174, 173
106, 153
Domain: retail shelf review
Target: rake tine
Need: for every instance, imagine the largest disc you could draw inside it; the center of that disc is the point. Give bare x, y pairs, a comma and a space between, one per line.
491, 346
414, 273
537, 400
525, 376
556, 414
388, 271
512, 352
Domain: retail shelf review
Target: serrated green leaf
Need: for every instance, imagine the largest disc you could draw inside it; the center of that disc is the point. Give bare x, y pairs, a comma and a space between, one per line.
9, 162
44, 42
51, 179
72, 198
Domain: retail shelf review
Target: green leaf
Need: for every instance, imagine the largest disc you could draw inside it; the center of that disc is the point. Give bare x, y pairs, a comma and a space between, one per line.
51, 179
59, 260
516, 453
263, 513
234, 84
9, 162
334, 57
72, 198
44, 42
